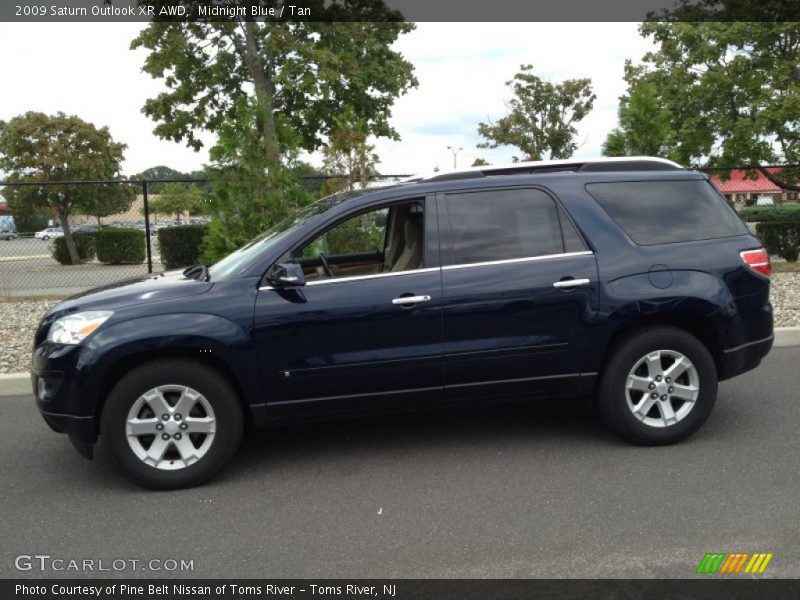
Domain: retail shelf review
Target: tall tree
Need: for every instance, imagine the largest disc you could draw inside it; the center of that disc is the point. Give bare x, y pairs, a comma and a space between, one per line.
244, 201
731, 90
542, 116
36, 147
644, 124
278, 85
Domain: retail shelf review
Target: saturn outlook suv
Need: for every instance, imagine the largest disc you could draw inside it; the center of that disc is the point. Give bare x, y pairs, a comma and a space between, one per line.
630, 281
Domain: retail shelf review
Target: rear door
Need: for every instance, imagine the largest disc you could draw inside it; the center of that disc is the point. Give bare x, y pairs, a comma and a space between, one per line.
520, 294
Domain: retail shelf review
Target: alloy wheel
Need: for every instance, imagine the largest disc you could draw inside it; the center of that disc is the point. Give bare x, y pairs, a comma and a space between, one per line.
662, 387
170, 427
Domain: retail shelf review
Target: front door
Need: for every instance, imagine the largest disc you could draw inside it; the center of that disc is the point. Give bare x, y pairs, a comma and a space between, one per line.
365, 332
520, 293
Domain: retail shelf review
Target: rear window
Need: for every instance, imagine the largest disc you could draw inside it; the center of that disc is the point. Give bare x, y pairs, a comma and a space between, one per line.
662, 212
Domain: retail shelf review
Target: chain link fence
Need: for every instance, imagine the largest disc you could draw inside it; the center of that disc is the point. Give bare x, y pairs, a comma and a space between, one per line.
30, 247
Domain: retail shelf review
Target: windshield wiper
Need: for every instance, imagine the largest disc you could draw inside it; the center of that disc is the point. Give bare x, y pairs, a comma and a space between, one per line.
198, 272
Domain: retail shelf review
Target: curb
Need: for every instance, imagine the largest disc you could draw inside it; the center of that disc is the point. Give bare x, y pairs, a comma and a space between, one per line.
786, 336
17, 384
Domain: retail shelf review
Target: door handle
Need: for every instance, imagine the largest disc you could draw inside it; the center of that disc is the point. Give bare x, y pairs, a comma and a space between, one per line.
570, 283
402, 300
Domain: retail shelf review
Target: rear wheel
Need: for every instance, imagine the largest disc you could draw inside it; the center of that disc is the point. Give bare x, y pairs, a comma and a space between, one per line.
659, 386
171, 424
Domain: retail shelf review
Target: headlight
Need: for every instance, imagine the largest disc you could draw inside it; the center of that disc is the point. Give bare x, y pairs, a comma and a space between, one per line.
73, 329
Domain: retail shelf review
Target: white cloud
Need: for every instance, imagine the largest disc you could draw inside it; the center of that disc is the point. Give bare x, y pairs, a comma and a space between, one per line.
89, 70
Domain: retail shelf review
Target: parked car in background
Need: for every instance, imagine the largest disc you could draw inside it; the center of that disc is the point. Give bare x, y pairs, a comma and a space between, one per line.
630, 280
86, 229
765, 201
50, 232
8, 233
142, 226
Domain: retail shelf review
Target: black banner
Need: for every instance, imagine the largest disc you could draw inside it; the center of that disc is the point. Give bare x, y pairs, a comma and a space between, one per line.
399, 589
411, 10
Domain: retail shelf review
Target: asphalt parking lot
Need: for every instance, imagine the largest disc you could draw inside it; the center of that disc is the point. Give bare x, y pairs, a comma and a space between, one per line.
528, 491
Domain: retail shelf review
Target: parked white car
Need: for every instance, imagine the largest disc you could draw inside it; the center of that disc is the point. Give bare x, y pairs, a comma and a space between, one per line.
765, 201
50, 232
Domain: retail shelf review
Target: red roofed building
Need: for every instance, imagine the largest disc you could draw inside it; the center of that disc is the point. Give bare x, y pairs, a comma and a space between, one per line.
742, 190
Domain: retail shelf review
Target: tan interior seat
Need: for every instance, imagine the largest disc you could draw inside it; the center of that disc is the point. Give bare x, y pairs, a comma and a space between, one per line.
411, 256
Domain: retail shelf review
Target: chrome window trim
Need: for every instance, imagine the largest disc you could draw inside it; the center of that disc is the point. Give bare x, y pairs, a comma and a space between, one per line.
519, 260
445, 268
360, 277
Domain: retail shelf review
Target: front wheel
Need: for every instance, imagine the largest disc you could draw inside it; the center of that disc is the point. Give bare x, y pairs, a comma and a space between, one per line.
659, 386
171, 424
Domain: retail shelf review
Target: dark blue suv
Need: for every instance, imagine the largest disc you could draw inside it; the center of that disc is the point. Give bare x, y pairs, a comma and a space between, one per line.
629, 280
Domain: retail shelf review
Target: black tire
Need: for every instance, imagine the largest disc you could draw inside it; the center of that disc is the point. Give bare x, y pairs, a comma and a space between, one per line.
611, 395
217, 391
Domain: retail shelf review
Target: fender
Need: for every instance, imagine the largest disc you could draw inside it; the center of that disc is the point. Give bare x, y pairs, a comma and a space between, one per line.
694, 294
188, 332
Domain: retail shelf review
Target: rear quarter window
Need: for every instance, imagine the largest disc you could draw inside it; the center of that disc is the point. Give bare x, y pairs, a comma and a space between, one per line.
663, 212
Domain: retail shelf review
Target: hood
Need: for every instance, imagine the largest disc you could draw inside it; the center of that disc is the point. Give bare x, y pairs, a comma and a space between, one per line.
129, 292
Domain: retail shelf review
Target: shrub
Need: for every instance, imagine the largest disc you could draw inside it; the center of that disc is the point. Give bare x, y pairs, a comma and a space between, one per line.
780, 238
120, 246
84, 244
181, 246
763, 214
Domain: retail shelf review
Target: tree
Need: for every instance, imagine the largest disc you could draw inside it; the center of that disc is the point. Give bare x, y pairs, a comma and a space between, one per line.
277, 87
27, 218
644, 124
156, 173
301, 74
348, 158
159, 172
245, 199
479, 162
542, 117
731, 90
110, 199
177, 199
35, 147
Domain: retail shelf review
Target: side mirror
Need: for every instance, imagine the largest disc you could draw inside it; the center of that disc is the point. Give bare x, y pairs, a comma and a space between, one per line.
287, 275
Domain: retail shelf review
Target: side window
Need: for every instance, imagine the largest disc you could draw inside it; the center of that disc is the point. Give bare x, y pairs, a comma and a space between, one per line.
388, 239
362, 234
662, 212
506, 224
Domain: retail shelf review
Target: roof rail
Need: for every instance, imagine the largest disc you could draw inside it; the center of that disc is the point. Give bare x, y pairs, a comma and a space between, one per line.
587, 165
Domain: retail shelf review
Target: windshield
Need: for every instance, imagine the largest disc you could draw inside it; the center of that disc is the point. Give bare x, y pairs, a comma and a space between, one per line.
232, 263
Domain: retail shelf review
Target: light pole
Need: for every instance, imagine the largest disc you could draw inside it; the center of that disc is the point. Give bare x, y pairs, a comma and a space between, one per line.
455, 152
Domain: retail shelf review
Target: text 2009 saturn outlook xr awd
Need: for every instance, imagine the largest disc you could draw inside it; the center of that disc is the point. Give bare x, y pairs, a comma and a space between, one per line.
629, 280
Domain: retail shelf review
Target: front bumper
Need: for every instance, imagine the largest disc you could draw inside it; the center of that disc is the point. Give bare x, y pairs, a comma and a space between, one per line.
63, 394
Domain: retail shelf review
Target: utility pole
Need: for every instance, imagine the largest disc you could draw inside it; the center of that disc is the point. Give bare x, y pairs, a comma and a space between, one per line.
455, 152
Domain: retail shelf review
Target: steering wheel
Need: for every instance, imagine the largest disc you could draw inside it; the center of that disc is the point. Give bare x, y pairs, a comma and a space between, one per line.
325, 265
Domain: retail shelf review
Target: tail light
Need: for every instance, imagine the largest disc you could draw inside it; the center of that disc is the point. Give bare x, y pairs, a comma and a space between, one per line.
758, 260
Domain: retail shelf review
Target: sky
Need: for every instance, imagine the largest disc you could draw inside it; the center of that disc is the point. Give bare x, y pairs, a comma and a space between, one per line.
89, 70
